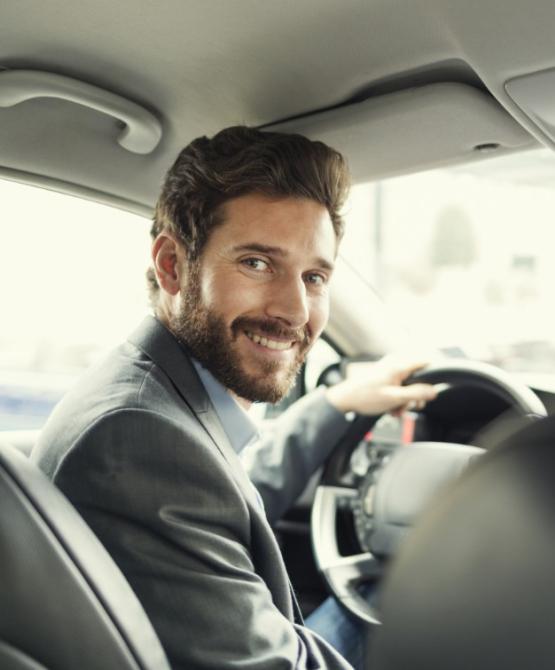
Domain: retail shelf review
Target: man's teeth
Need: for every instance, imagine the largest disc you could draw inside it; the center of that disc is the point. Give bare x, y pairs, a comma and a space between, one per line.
271, 344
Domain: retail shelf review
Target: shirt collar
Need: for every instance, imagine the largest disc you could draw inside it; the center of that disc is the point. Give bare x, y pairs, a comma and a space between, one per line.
237, 424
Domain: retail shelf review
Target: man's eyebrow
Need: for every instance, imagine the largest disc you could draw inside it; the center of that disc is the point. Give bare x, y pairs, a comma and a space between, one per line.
278, 251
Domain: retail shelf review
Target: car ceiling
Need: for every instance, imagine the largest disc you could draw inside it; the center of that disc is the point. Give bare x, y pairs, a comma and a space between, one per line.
397, 86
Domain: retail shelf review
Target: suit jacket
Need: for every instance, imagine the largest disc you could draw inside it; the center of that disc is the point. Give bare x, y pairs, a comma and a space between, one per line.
139, 450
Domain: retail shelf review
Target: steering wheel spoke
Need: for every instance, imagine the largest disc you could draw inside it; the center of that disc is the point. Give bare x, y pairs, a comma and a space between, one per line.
349, 573
343, 574
327, 501
360, 566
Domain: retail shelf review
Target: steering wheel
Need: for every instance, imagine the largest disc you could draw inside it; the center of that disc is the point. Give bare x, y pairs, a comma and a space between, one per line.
398, 485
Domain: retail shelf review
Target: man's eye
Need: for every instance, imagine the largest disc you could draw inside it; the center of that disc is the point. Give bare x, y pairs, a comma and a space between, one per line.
315, 279
255, 264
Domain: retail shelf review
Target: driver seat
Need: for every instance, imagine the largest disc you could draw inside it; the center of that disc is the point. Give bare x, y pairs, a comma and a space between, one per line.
64, 603
473, 586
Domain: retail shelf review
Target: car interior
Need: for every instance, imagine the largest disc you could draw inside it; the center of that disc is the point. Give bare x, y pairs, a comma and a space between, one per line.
88, 615
447, 511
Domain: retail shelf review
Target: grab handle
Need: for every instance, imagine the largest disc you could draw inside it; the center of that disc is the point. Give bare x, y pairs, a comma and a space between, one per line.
142, 130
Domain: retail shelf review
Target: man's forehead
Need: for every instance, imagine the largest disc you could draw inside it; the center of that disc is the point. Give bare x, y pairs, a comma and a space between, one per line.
281, 222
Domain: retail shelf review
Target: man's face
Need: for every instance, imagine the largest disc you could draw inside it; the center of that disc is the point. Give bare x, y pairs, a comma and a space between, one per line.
257, 299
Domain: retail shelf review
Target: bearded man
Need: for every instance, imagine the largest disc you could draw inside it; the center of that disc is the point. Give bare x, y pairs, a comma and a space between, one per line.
146, 447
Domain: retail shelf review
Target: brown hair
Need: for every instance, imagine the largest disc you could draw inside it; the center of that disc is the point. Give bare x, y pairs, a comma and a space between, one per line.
238, 161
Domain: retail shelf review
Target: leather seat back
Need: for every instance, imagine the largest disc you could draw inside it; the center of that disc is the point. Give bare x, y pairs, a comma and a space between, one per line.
474, 584
63, 602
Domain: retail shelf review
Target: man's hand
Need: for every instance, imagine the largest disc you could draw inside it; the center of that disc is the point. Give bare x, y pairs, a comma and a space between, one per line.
375, 388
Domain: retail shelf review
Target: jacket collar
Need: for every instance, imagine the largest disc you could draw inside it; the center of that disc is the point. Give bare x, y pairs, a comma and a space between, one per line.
238, 425
160, 345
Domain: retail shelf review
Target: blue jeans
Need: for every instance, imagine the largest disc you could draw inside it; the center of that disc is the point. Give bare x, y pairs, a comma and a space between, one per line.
341, 629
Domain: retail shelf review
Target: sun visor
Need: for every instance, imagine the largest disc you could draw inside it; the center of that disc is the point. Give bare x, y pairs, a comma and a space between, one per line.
535, 96
415, 129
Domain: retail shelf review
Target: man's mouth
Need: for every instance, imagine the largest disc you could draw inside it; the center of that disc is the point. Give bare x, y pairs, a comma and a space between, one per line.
277, 345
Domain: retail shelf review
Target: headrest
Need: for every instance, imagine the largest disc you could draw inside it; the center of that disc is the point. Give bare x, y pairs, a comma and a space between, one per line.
473, 586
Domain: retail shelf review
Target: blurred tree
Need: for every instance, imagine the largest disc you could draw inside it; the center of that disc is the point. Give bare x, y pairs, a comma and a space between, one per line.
416, 277
453, 242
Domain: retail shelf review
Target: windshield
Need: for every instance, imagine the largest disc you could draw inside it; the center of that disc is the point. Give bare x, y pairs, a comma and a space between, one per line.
464, 257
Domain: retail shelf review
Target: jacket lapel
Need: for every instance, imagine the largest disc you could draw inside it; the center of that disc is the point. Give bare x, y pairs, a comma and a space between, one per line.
158, 343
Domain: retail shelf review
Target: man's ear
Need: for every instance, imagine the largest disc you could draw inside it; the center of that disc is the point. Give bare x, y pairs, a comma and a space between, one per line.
168, 257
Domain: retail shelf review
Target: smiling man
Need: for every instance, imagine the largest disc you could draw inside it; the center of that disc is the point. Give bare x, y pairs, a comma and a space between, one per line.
251, 308
147, 446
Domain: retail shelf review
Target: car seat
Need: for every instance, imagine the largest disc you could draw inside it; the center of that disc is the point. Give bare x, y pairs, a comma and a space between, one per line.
64, 604
473, 586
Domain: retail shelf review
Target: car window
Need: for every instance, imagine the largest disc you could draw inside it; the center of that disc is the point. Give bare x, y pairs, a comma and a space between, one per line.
462, 258
72, 287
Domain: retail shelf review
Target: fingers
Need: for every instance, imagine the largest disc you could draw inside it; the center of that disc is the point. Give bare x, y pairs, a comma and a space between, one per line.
410, 367
400, 366
415, 405
412, 397
372, 398
416, 393
391, 369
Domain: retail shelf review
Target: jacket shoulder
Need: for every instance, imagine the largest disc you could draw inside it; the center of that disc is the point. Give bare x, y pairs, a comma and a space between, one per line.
126, 388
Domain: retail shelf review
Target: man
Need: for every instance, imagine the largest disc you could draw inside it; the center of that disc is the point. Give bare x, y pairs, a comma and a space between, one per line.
244, 242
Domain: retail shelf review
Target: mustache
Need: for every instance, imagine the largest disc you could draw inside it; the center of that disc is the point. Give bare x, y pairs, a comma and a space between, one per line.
273, 327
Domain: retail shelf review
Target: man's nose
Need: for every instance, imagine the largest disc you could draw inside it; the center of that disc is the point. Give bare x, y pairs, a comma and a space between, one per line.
288, 302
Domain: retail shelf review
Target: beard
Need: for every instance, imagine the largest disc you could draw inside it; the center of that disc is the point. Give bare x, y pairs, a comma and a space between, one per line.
214, 344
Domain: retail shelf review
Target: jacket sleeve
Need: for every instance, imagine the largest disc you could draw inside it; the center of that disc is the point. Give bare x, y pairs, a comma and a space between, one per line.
295, 446
177, 524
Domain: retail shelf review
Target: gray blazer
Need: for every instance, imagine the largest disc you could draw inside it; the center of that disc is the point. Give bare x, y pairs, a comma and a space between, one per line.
139, 450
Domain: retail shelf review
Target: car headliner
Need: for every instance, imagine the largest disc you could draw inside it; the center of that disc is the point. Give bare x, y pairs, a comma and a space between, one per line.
200, 66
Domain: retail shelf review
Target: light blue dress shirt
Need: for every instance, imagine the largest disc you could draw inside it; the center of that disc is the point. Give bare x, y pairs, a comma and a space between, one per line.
237, 424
